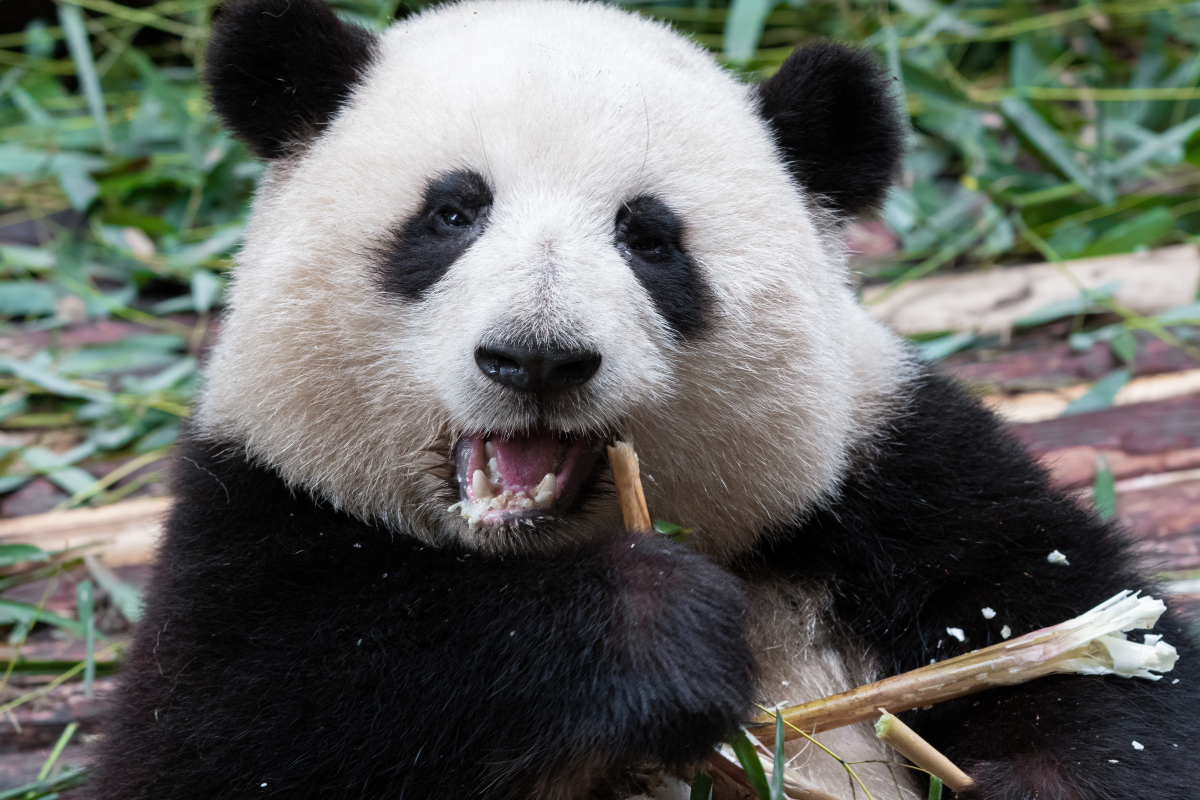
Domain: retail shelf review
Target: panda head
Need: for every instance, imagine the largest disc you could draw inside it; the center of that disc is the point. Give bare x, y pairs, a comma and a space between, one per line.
504, 232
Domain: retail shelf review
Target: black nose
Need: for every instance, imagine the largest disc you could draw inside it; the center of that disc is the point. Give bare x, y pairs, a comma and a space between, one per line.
537, 369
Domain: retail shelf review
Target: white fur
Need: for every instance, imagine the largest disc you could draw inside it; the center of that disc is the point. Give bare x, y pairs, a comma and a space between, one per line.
801, 659
568, 110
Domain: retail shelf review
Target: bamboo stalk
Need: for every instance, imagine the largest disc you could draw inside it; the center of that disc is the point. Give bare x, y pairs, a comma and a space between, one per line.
1085, 644
920, 752
126, 532
624, 464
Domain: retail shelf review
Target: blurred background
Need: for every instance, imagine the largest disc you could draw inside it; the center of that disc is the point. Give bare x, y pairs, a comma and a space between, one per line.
1041, 244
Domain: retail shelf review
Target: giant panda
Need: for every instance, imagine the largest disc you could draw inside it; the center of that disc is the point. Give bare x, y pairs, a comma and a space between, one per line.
488, 241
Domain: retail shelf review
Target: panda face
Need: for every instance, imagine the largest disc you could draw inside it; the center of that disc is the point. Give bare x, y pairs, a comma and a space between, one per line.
532, 227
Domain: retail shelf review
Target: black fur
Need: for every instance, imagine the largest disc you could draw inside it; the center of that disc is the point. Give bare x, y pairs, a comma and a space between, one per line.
291, 651
953, 517
421, 250
279, 70
650, 237
834, 117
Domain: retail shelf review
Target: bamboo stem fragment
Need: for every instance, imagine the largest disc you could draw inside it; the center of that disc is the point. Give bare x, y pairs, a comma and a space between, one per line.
920, 752
1085, 644
126, 532
624, 464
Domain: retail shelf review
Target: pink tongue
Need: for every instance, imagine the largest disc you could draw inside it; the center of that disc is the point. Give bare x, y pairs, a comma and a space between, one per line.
526, 460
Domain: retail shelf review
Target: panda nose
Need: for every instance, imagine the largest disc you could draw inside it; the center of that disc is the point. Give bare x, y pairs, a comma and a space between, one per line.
537, 369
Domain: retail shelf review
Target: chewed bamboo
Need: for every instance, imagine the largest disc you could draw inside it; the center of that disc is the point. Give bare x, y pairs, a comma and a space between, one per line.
624, 464
1090, 644
920, 752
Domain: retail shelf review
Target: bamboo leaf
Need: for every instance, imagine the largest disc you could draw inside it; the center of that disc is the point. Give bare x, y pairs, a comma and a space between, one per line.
1124, 344
747, 756
1143, 230
1181, 315
26, 298
1051, 145
26, 613
1083, 303
71, 19
1157, 148
17, 553
779, 762
124, 596
49, 381
206, 289
744, 27
936, 349
1101, 395
1104, 492
83, 601
1149, 65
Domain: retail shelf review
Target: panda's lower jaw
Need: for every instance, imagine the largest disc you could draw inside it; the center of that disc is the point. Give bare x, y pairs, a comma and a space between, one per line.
521, 479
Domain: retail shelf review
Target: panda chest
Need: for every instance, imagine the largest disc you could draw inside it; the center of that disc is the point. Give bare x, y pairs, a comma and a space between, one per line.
801, 658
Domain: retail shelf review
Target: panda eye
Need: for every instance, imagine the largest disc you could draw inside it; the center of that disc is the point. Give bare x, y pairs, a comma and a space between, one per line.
451, 217
647, 230
647, 246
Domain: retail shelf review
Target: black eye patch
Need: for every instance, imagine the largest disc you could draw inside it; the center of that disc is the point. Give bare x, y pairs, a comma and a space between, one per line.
649, 236
420, 250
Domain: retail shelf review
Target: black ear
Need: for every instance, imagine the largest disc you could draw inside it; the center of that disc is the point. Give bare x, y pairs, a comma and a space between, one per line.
278, 70
833, 115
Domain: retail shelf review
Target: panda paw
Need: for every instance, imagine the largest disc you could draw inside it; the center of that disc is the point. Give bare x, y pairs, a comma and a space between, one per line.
678, 635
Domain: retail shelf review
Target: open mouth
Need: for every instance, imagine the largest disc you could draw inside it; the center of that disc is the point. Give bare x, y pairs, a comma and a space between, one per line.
521, 478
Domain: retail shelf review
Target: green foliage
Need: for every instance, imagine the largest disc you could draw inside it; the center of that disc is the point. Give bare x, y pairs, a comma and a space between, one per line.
45, 788
779, 761
672, 531
747, 756
743, 747
1102, 393
1104, 491
702, 787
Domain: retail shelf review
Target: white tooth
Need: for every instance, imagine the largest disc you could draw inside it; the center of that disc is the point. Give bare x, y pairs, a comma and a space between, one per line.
490, 449
521, 494
480, 485
547, 485
508, 495
494, 468
496, 503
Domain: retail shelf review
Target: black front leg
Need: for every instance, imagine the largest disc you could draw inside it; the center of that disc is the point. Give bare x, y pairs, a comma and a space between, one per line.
290, 651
